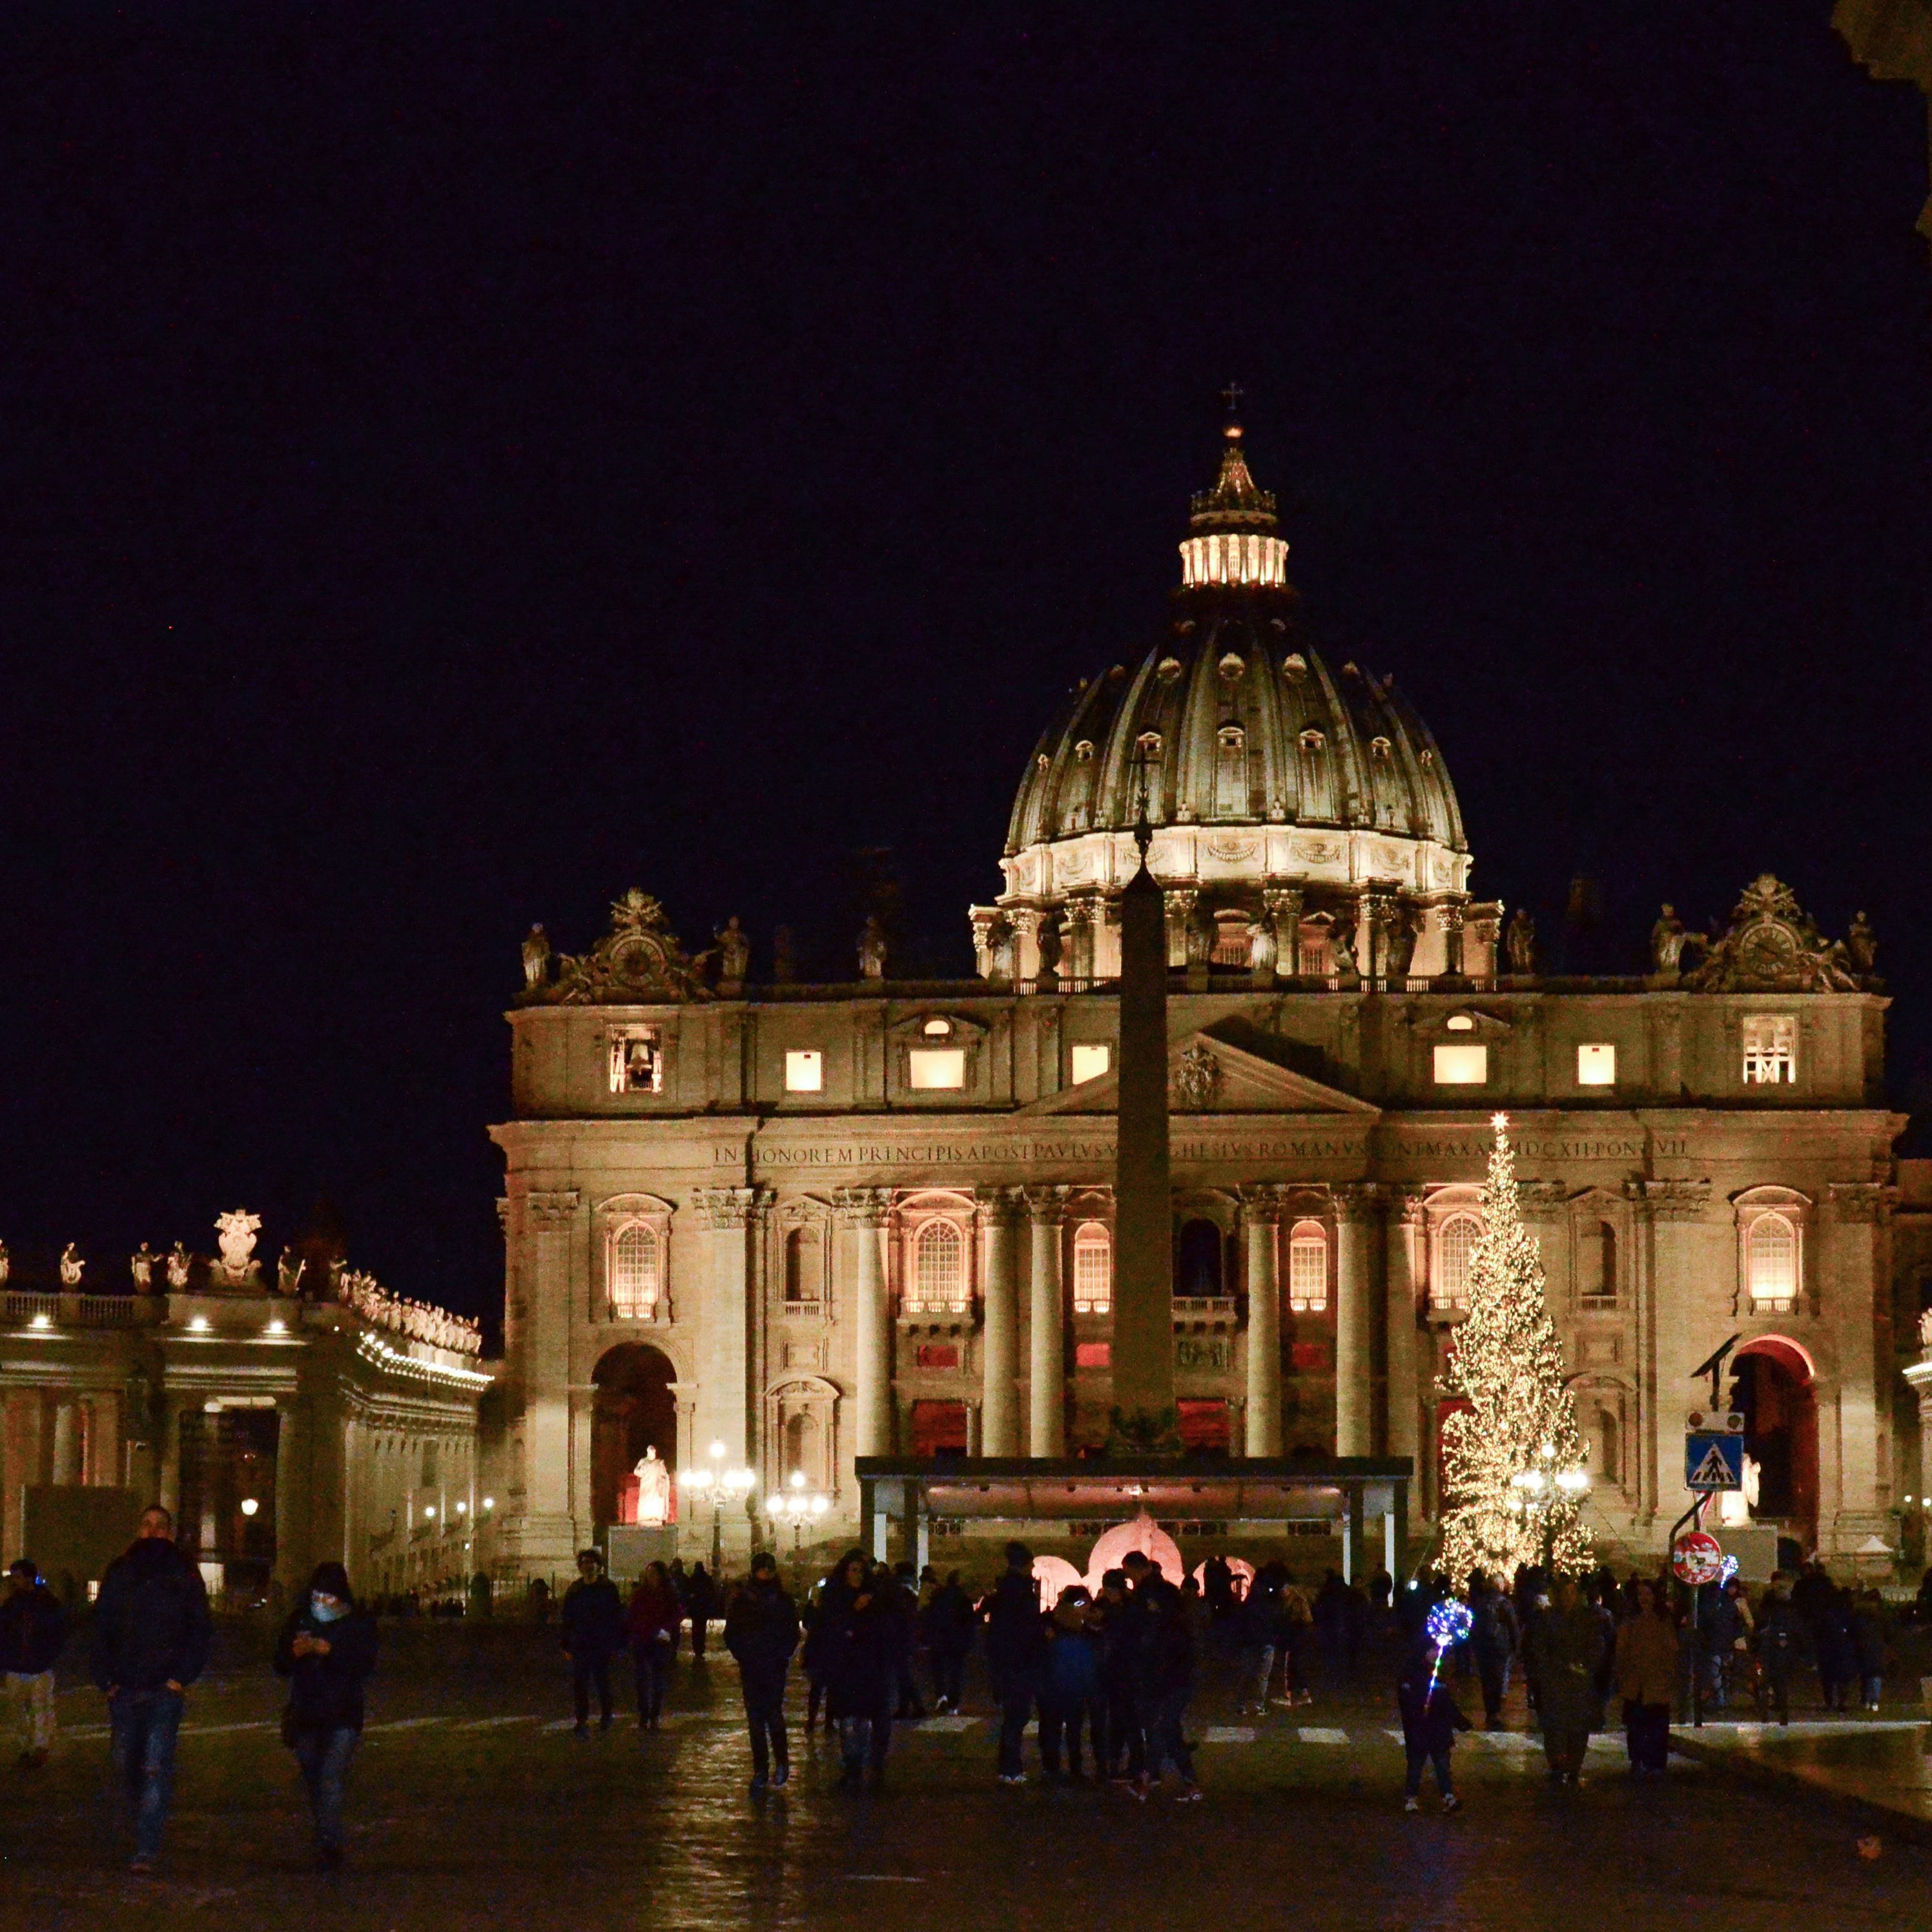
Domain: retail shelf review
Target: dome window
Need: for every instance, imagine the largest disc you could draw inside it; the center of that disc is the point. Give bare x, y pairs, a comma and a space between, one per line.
1232, 737
1294, 665
1231, 667
1428, 756
1312, 740
1168, 670
1043, 761
1084, 751
1148, 744
1380, 748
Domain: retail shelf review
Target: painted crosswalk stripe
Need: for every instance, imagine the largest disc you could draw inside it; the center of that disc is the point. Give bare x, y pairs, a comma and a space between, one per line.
489, 1724
407, 1723
213, 1730
950, 1723
1321, 1734
1230, 1734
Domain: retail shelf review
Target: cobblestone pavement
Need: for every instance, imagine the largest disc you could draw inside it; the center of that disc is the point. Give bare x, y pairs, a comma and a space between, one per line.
471, 1804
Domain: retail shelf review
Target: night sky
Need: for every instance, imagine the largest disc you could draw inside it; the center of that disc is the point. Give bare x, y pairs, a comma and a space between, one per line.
456, 464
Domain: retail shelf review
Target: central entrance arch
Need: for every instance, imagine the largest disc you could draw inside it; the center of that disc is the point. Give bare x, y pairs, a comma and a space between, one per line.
633, 1411
1774, 1388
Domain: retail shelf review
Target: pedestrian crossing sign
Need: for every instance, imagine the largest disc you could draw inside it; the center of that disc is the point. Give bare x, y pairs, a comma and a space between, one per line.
1714, 1461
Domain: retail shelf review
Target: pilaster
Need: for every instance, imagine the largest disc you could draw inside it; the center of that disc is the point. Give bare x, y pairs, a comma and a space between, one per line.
1357, 1218
997, 1213
1047, 1435
1261, 1227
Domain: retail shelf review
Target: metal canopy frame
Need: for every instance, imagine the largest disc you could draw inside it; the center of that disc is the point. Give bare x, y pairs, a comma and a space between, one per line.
1344, 1490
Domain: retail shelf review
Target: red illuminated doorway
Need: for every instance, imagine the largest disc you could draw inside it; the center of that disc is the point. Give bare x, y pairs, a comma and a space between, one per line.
1773, 1385
939, 1429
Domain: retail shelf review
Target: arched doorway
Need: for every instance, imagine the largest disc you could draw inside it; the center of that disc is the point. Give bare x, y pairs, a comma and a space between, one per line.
633, 1411
1772, 1385
1197, 1259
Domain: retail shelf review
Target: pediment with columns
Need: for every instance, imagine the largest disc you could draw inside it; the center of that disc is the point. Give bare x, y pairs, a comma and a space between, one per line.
1208, 1075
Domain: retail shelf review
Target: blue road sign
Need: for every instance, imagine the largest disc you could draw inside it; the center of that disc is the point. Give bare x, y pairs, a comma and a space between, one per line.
1714, 1461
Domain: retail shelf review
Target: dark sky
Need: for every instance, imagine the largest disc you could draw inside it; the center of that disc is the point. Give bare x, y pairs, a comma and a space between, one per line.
456, 463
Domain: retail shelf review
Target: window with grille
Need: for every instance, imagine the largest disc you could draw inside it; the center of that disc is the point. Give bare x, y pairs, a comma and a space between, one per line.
1455, 1243
1771, 1261
1093, 1270
939, 1269
634, 1273
1308, 1268
1771, 1049
804, 1266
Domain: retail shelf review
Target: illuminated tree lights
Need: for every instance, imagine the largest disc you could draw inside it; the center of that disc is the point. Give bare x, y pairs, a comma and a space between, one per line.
1511, 1459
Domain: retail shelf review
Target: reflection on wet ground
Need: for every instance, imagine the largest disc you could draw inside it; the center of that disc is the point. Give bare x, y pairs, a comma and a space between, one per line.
1886, 1763
473, 1805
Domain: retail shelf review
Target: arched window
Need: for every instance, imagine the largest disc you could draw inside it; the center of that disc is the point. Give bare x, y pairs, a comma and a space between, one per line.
1597, 1262
1092, 1270
635, 1276
1606, 1462
1199, 1272
1455, 1243
1308, 1267
804, 1266
1771, 1262
939, 1269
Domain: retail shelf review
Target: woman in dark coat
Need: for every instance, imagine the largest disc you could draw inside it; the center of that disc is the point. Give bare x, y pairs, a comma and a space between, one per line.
325, 1650
1835, 1646
652, 1619
861, 1622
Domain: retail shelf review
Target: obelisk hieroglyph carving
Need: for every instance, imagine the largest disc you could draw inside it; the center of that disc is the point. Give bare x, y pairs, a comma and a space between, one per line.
1143, 1354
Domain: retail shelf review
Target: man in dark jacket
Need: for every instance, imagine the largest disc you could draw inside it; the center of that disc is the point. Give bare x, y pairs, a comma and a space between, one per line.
33, 1627
946, 1624
594, 1631
1015, 1648
1781, 1643
326, 1649
1166, 1675
149, 1643
761, 1632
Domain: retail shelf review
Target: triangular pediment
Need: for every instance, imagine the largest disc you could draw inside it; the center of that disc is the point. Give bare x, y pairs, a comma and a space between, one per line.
1208, 1076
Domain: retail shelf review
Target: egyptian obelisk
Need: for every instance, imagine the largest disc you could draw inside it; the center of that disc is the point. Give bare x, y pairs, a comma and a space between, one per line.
1143, 1354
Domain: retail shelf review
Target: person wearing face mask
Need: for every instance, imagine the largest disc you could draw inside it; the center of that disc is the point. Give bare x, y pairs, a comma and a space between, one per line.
325, 1650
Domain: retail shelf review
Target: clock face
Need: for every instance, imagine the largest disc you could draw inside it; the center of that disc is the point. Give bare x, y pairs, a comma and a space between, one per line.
1767, 952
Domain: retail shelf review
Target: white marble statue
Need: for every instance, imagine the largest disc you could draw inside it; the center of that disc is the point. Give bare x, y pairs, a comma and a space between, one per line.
653, 1489
71, 1266
236, 1231
141, 1266
178, 1262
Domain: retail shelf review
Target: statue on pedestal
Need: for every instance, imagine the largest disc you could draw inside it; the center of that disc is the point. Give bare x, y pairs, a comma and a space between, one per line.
536, 956
872, 949
179, 1261
289, 1273
784, 958
1667, 941
1263, 948
141, 1266
1519, 943
236, 1231
734, 952
6, 1262
1862, 946
655, 1503
71, 1266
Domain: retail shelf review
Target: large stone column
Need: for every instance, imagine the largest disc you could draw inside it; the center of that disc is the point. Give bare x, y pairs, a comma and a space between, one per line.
1260, 1224
1047, 1314
1284, 908
1402, 1249
167, 1412
293, 1456
1000, 1421
1143, 1328
1358, 1206
1850, 1279
553, 1225
730, 1218
66, 1440
865, 1211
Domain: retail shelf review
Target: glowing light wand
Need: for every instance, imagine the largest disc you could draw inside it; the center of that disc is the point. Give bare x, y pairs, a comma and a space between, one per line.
1448, 1623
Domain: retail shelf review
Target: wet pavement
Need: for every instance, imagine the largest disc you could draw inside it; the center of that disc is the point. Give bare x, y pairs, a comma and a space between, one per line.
473, 1803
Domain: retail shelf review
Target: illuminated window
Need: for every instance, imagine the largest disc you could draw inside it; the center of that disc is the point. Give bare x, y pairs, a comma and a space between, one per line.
805, 1071
1597, 1065
939, 1269
1308, 1268
1092, 1270
1455, 1243
1462, 1065
1312, 740
1771, 1049
635, 1273
1771, 1263
937, 1029
1459, 1023
1091, 1062
937, 1068
637, 1061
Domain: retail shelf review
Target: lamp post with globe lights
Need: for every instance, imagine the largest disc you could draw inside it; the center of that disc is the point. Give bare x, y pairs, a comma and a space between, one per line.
1540, 1485
718, 1484
796, 1503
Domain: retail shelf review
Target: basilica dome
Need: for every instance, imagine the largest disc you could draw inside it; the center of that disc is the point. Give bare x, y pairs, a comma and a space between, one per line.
1274, 784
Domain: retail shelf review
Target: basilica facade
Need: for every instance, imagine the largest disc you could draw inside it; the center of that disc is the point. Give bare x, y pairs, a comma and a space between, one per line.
777, 1227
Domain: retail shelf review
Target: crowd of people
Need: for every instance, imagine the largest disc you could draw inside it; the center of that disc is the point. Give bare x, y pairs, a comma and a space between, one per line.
1109, 1674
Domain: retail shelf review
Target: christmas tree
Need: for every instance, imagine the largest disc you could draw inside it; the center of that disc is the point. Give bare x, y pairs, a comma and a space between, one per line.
1512, 1460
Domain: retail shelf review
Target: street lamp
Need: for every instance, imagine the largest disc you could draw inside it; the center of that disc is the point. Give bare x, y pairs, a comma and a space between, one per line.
718, 1484
797, 1505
